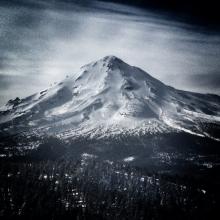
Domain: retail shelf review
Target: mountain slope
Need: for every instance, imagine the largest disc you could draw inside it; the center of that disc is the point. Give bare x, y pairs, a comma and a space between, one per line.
110, 97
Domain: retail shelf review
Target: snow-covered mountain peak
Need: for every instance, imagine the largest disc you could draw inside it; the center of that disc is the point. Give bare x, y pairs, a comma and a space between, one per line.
111, 59
107, 60
112, 74
110, 92
105, 66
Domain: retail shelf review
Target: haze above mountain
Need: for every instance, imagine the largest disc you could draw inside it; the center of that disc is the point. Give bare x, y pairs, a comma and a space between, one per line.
41, 41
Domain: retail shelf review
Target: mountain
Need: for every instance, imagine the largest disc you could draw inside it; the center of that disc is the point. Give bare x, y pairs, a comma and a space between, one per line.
107, 97
110, 141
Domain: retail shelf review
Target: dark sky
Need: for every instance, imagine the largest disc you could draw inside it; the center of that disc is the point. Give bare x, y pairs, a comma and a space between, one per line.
204, 12
43, 41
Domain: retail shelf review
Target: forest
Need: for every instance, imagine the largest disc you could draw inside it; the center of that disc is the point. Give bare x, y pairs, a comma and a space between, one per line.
93, 189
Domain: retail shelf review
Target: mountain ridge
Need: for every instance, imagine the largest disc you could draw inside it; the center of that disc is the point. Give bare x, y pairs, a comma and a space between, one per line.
109, 93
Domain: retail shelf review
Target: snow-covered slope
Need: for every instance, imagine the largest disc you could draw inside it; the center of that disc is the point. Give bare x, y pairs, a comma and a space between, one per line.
111, 96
